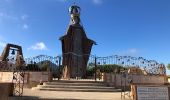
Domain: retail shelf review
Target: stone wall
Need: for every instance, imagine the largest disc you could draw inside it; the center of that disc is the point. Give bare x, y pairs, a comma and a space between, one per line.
30, 77
6, 90
116, 79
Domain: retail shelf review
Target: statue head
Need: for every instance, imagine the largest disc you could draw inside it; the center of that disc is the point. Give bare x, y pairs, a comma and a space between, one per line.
75, 14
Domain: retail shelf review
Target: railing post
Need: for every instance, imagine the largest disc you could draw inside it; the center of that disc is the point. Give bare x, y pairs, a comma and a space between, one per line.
95, 68
59, 64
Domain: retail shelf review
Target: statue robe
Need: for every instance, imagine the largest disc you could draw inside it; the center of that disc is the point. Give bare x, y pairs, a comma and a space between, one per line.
76, 48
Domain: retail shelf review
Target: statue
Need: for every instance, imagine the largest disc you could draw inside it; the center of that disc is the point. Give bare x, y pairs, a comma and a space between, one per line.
76, 47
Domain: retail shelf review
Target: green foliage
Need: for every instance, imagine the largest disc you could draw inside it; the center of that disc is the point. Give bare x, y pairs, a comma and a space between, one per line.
168, 66
112, 68
90, 71
32, 67
46, 66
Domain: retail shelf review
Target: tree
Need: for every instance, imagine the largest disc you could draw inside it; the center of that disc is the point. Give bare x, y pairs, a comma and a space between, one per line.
32, 67
45, 66
108, 68
168, 66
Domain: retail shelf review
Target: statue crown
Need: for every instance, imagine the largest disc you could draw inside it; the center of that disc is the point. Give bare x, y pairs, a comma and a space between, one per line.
74, 10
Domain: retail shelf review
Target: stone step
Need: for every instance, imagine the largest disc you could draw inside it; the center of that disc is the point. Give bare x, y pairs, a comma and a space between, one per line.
77, 90
75, 87
77, 81
74, 84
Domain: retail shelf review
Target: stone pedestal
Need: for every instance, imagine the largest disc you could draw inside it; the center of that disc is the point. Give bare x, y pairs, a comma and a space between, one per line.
6, 90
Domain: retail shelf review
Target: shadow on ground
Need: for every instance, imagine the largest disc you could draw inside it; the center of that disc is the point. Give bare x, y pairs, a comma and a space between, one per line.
81, 90
24, 98
37, 98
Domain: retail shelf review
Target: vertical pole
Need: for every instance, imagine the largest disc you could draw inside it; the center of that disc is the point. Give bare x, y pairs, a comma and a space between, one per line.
77, 67
59, 64
95, 62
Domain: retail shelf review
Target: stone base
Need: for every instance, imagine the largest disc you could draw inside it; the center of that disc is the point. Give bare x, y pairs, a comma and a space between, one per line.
6, 90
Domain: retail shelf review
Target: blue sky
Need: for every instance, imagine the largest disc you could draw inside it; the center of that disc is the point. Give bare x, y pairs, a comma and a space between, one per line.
120, 27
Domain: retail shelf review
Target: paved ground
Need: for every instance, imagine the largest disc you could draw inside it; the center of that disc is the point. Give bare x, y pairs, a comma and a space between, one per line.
62, 95
49, 94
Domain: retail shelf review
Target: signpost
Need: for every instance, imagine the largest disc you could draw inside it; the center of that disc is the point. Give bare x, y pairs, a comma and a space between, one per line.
152, 93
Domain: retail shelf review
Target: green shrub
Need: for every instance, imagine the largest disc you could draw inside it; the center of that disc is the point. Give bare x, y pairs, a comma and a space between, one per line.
109, 68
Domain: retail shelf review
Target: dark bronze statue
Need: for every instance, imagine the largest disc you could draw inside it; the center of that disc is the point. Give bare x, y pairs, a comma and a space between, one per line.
76, 47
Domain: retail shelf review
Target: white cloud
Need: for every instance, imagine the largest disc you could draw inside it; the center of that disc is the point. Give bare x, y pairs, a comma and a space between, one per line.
24, 17
130, 52
1, 14
4, 15
8, 1
2, 44
1, 38
62, 0
59, 0
25, 26
97, 2
133, 50
38, 46
19, 19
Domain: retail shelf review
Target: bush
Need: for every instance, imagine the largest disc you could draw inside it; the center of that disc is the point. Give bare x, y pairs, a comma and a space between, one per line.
111, 68
32, 67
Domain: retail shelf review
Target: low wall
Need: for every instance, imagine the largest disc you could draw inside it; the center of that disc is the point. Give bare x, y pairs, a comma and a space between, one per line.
39, 76
116, 79
29, 78
6, 90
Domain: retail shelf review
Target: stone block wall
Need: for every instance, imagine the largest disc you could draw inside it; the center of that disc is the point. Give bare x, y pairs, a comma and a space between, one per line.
115, 80
30, 77
6, 90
